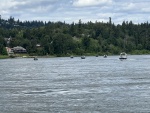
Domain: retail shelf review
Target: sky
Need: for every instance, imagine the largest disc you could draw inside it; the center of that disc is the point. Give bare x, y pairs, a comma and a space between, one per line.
137, 11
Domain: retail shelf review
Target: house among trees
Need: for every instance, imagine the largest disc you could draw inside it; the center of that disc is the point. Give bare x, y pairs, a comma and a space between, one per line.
9, 51
19, 49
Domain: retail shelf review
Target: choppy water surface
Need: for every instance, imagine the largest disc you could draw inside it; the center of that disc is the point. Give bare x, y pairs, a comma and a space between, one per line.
94, 84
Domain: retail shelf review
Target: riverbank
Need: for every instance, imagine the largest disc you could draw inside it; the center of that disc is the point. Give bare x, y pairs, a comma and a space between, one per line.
25, 56
136, 52
3, 56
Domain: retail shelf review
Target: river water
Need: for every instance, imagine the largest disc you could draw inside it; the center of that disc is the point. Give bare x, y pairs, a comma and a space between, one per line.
65, 85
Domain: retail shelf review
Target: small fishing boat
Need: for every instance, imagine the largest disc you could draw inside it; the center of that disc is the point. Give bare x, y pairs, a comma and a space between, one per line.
71, 56
35, 58
123, 56
82, 57
105, 56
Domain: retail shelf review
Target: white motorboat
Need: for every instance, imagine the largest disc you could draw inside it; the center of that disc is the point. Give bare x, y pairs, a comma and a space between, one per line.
123, 55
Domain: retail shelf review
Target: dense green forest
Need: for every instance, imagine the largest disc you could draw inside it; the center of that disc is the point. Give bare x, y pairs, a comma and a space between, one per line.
61, 39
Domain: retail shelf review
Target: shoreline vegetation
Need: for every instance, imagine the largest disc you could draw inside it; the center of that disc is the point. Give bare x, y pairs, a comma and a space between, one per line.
4, 56
135, 52
58, 39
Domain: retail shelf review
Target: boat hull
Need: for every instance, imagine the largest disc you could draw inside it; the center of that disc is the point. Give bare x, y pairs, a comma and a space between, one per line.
122, 58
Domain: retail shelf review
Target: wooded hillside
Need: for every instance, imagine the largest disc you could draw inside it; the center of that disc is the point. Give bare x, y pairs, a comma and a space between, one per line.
60, 38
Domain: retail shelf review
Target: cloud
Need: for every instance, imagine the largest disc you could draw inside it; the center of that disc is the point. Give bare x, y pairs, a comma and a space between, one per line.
129, 6
27, 9
5, 4
146, 10
73, 10
83, 3
8, 4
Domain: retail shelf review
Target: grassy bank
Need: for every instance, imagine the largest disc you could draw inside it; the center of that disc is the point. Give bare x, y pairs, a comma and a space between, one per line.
4, 56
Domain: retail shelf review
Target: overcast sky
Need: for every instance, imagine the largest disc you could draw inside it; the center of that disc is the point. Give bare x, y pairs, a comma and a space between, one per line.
72, 10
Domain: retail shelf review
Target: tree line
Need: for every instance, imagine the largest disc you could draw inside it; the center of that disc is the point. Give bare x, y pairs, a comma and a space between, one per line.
61, 39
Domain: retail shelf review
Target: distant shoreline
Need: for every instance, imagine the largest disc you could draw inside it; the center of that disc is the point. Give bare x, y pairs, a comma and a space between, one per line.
54, 56
137, 52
